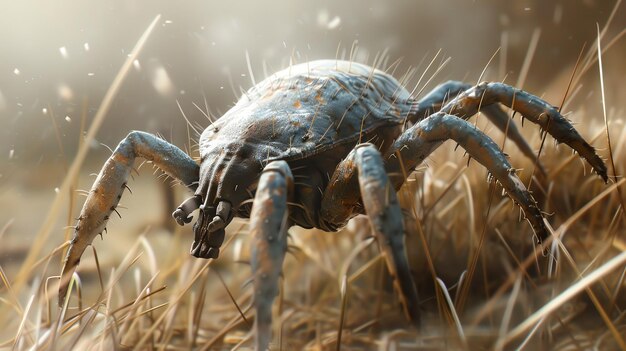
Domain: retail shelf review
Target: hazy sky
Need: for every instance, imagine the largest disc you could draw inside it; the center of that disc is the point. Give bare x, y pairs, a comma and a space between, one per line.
58, 56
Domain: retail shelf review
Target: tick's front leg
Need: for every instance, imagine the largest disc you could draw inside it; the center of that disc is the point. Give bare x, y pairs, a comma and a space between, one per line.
268, 227
107, 190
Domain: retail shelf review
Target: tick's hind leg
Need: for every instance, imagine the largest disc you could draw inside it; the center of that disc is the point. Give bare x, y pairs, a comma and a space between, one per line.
381, 206
530, 107
107, 190
415, 144
434, 100
268, 227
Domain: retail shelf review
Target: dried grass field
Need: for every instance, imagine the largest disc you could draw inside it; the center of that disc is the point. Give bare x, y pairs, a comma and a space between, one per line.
485, 283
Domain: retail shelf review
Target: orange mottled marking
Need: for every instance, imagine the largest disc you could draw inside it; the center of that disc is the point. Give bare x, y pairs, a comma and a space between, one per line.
118, 157
319, 98
98, 198
297, 104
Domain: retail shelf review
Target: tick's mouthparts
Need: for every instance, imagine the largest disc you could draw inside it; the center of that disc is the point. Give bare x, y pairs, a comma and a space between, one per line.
183, 212
209, 236
223, 212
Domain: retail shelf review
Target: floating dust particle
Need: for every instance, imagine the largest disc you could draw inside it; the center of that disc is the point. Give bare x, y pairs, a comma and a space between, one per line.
65, 92
161, 81
63, 51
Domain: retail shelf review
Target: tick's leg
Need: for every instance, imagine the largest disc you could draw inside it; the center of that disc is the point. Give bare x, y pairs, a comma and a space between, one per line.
107, 190
268, 227
415, 144
501, 120
530, 107
434, 100
382, 208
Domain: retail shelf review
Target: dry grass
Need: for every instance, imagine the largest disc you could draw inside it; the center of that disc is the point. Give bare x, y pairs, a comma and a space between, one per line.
484, 281
168, 300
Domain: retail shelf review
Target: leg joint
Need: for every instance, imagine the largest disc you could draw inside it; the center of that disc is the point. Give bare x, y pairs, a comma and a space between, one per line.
137, 136
280, 167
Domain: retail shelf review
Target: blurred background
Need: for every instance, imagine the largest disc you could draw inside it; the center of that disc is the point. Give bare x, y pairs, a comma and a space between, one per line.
58, 58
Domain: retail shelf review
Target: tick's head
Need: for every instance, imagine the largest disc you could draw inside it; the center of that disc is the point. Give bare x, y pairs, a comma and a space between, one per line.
215, 207
225, 181
209, 229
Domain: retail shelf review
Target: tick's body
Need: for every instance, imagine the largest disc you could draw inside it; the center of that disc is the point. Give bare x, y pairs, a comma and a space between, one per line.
311, 115
315, 145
